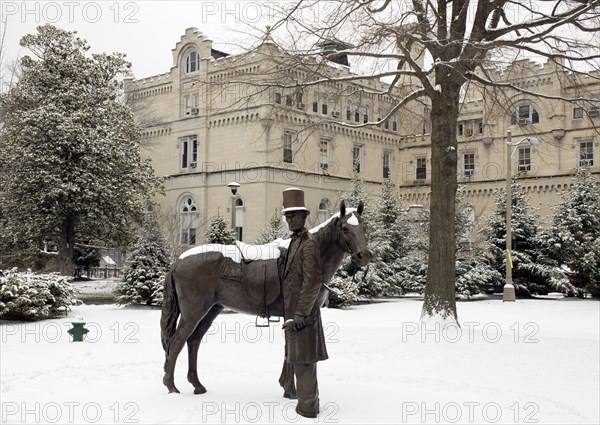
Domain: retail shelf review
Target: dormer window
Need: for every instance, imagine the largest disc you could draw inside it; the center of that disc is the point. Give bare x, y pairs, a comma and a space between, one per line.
192, 62
525, 114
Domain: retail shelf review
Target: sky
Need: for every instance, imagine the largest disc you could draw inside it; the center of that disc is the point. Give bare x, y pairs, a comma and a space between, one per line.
145, 31
527, 362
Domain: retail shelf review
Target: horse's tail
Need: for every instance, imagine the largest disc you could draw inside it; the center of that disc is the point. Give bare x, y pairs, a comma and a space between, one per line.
170, 312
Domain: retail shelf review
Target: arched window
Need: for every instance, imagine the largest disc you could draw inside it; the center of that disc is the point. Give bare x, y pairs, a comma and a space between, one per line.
192, 62
323, 213
188, 214
238, 222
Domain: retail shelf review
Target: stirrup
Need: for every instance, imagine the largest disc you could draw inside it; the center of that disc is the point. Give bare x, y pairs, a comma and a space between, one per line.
264, 323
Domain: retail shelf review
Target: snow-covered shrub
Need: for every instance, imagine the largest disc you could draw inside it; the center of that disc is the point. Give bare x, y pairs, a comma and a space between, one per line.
219, 231
28, 296
146, 267
476, 275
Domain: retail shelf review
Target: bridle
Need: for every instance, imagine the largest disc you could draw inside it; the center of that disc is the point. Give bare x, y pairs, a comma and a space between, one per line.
355, 284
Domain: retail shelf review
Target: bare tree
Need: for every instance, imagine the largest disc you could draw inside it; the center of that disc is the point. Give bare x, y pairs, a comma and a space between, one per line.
427, 53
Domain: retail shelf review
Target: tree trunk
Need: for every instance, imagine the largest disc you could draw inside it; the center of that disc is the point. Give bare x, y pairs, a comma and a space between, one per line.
441, 275
66, 246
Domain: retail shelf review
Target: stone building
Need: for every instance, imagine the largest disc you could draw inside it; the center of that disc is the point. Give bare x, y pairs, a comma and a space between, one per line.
217, 118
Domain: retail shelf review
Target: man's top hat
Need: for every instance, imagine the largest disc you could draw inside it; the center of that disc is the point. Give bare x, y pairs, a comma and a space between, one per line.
293, 200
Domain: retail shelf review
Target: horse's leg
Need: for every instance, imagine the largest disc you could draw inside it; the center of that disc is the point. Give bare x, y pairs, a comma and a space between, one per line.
185, 328
193, 344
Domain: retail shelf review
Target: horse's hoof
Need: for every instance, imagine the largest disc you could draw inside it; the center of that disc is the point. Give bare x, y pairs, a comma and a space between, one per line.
173, 390
200, 390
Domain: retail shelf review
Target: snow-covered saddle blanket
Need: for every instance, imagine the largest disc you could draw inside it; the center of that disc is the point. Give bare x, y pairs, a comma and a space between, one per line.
255, 266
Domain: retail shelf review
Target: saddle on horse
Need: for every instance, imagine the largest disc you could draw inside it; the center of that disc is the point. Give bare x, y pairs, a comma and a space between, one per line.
260, 279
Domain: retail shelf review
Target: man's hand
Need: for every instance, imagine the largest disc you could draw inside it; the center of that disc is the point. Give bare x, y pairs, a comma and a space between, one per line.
296, 324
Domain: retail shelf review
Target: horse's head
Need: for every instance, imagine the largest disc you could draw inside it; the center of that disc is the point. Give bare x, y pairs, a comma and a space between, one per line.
353, 232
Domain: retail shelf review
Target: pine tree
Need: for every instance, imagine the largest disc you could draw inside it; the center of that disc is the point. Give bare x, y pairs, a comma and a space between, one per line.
388, 238
274, 229
146, 267
574, 239
533, 271
70, 149
219, 231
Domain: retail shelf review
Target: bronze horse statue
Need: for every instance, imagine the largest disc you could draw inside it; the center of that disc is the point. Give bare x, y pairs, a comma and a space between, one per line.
205, 279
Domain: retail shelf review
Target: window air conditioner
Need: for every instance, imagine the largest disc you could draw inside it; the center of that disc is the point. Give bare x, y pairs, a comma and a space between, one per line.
335, 114
594, 112
193, 164
468, 173
195, 111
524, 121
301, 106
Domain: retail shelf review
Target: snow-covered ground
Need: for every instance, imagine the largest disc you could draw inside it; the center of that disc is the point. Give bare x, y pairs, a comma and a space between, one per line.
532, 361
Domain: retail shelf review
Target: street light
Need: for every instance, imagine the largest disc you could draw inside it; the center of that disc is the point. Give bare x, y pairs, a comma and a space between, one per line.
234, 188
508, 292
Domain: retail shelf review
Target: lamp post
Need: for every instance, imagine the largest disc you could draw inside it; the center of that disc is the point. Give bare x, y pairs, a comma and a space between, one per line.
508, 292
234, 188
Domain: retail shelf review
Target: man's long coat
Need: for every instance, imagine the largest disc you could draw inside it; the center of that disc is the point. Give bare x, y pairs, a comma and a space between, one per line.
303, 295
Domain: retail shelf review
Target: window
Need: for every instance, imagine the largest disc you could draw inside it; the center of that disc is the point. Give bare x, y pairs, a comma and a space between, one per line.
190, 104
288, 146
468, 164
469, 128
357, 114
324, 154
324, 109
278, 98
187, 221
357, 154
578, 109
238, 219
387, 162
467, 237
480, 125
189, 151
594, 110
460, 129
323, 213
525, 114
300, 99
586, 153
348, 111
289, 100
366, 115
395, 122
421, 170
524, 159
192, 61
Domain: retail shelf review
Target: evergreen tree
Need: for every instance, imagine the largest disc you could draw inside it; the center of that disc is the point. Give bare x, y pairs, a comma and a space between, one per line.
574, 239
146, 267
219, 231
388, 239
273, 230
70, 149
533, 271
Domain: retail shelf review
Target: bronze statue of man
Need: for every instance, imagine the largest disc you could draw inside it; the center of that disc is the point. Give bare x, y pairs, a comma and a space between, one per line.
303, 295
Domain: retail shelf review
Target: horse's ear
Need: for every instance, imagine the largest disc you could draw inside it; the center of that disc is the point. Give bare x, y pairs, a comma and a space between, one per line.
342, 209
361, 207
